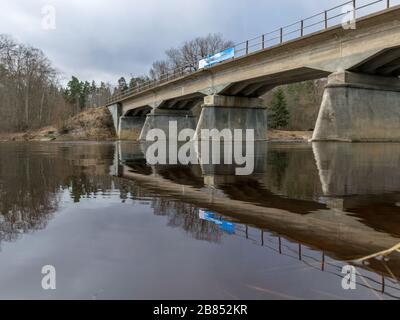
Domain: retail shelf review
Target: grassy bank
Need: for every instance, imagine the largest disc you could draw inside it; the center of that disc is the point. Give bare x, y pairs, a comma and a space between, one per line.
93, 124
282, 135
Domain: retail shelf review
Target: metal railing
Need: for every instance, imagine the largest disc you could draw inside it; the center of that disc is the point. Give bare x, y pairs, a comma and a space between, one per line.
297, 30
371, 279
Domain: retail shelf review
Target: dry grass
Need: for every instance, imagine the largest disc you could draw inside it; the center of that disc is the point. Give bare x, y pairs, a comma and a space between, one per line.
93, 124
281, 135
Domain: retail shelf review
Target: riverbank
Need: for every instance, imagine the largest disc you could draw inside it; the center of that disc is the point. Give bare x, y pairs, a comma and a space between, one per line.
93, 124
283, 136
51, 134
96, 124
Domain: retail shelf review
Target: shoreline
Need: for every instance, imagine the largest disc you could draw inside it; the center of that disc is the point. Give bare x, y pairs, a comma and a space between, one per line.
96, 124
50, 134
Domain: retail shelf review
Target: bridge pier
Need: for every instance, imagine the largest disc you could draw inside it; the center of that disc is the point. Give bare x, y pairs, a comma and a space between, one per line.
126, 128
359, 107
130, 127
160, 119
229, 112
116, 111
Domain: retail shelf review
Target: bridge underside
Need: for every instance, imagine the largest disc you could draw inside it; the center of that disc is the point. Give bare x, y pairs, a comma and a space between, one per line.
259, 86
385, 63
355, 107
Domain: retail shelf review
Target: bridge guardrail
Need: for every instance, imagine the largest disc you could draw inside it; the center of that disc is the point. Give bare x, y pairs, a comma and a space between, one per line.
293, 31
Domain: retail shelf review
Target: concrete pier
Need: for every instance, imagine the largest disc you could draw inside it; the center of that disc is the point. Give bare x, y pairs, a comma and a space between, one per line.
227, 112
130, 128
160, 119
115, 111
358, 107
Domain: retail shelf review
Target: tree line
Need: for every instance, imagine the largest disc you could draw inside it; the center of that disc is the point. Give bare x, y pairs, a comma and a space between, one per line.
84, 94
185, 58
189, 53
295, 106
31, 96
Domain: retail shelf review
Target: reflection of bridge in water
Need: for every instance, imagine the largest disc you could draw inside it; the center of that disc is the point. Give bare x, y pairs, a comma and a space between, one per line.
339, 199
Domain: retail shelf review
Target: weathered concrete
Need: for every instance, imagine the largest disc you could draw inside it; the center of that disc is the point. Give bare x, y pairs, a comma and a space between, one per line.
130, 128
221, 168
222, 112
373, 48
115, 110
358, 169
359, 108
160, 119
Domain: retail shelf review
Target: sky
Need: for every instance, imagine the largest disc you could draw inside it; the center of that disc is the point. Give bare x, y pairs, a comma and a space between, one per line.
104, 40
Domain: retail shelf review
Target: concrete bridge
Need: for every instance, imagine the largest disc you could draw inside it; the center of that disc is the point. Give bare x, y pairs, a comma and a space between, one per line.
361, 101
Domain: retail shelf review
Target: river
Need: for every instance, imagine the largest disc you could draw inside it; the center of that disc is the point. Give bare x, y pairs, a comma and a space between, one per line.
114, 227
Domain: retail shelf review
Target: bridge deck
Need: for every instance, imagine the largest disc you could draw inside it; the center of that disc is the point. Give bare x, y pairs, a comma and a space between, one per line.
370, 48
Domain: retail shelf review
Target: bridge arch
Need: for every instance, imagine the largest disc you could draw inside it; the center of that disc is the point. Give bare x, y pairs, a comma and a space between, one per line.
138, 112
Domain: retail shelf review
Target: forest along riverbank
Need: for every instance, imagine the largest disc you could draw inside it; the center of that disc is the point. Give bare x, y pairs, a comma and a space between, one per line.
96, 124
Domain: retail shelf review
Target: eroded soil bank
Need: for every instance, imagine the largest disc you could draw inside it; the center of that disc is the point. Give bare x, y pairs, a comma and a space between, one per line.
93, 124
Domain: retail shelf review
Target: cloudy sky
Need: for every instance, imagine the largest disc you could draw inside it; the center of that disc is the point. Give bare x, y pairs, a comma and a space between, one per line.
104, 39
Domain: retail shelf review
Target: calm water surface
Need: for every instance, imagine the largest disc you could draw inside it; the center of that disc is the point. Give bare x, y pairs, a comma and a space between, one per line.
115, 227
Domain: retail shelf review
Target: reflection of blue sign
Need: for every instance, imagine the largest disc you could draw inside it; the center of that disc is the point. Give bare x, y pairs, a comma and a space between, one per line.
223, 225
216, 58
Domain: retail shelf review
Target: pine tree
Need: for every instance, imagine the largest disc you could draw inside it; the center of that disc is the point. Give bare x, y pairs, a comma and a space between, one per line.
132, 83
73, 92
93, 87
278, 113
84, 94
122, 85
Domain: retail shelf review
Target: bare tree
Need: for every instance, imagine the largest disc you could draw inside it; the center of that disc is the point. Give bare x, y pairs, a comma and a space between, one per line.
30, 96
187, 56
190, 52
158, 69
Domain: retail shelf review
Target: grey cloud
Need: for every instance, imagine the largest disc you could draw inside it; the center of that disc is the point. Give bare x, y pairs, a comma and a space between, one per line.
103, 40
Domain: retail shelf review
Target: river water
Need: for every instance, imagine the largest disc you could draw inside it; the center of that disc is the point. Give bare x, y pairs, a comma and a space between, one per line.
114, 227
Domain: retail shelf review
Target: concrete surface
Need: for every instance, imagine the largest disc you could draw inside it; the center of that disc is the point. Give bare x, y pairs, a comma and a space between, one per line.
356, 112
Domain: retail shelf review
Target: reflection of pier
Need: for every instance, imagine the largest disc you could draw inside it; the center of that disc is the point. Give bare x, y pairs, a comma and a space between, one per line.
363, 180
322, 228
220, 178
358, 169
265, 201
336, 239
342, 177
